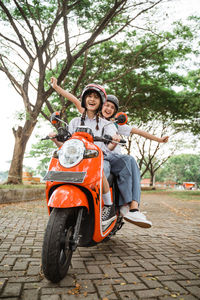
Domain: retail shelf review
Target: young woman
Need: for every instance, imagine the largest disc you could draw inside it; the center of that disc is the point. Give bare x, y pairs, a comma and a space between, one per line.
123, 166
92, 100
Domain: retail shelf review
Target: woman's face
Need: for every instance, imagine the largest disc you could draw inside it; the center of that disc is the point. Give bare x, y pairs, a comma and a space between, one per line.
92, 101
108, 109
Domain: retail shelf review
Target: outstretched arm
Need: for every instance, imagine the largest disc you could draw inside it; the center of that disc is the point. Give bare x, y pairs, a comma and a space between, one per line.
66, 94
149, 136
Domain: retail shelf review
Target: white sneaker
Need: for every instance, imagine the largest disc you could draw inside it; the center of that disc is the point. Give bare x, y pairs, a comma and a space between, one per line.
138, 219
124, 210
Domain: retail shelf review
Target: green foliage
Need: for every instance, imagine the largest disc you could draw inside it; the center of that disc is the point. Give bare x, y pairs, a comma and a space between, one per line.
140, 75
20, 115
181, 168
42, 151
138, 69
89, 12
43, 11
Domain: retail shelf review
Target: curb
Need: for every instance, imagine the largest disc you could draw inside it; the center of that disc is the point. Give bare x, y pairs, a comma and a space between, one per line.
21, 195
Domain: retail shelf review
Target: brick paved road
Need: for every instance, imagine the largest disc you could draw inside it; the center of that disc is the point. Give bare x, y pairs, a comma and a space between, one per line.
158, 263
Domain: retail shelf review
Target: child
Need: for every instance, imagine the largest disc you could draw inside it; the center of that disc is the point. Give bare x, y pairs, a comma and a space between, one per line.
123, 166
92, 99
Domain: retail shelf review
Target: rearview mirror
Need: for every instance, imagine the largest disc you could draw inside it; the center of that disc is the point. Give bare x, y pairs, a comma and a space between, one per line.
121, 118
55, 117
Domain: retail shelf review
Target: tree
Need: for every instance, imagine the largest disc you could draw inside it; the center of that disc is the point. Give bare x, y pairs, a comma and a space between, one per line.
191, 124
138, 73
181, 168
37, 33
150, 155
138, 69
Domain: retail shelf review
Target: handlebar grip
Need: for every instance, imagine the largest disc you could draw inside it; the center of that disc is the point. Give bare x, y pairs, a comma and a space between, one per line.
49, 137
98, 139
46, 138
108, 137
122, 141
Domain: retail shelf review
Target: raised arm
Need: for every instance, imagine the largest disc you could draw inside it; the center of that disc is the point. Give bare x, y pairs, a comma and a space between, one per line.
149, 136
66, 94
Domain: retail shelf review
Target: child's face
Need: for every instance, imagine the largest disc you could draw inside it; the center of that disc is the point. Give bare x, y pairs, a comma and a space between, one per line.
92, 101
108, 109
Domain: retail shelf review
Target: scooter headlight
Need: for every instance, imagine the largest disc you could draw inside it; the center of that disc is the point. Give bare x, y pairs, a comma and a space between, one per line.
71, 153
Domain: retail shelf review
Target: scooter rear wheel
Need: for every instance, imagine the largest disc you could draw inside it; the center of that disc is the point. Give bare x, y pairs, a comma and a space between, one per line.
56, 251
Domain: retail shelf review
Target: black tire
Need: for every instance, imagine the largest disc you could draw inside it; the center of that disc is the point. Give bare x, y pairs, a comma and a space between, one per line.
56, 251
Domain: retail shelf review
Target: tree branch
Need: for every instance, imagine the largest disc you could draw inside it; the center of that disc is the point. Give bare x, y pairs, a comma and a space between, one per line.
82, 74
66, 31
9, 40
23, 46
99, 28
127, 23
28, 24
16, 85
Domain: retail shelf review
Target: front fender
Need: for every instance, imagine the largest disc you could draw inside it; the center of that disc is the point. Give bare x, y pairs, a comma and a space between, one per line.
68, 196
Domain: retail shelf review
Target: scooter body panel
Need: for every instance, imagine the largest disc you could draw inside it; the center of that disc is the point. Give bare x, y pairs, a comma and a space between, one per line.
92, 166
68, 196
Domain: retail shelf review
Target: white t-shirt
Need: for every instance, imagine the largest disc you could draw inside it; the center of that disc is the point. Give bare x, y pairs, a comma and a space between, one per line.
109, 129
122, 130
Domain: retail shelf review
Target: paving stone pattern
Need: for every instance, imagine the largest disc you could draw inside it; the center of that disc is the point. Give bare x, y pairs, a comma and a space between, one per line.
158, 263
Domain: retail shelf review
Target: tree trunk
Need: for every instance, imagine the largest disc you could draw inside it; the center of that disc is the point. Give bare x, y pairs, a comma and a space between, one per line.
22, 135
152, 179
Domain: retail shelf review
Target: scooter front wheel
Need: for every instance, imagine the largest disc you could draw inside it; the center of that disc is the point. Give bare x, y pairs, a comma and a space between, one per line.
56, 251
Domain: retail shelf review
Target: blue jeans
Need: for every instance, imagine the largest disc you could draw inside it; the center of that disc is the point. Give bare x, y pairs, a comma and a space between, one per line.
126, 170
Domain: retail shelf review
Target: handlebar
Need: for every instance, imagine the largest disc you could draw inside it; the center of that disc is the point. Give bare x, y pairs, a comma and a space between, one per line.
59, 137
107, 138
47, 138
62, 135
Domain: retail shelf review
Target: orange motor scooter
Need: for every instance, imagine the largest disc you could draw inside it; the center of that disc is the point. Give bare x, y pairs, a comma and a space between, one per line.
74, 199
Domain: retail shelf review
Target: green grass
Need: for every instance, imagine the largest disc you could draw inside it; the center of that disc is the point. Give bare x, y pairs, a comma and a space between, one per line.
184, 195
21, 186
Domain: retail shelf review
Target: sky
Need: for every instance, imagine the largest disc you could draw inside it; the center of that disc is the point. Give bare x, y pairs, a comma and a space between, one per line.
11, 102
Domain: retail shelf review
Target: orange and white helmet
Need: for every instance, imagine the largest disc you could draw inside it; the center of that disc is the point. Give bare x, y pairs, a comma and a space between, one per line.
94, 87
